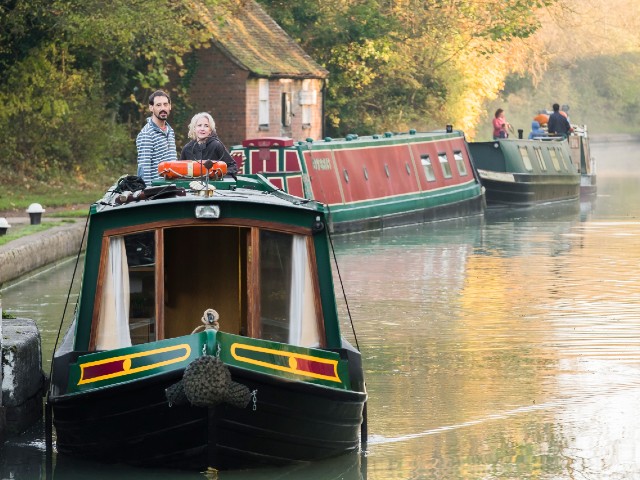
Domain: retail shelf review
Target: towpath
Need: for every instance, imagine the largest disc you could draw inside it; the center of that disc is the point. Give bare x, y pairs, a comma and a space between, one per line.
31, 252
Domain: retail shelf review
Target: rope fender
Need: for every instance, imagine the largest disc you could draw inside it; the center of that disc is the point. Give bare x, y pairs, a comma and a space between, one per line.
206, 382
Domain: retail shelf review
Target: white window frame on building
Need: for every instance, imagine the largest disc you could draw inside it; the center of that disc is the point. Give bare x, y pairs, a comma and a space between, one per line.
263, 102
308, 98
286, 109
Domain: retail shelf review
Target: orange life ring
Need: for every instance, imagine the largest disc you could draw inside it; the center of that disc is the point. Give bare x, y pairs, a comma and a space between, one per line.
541, 118
190, 169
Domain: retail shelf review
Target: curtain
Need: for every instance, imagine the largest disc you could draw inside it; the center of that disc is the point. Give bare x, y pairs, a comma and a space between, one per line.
296, 303
303, 328
113, 323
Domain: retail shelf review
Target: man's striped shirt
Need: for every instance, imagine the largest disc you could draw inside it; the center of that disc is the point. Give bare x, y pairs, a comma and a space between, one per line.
154, 146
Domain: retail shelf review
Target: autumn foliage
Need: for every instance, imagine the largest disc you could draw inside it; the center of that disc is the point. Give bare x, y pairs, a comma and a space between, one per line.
74, 75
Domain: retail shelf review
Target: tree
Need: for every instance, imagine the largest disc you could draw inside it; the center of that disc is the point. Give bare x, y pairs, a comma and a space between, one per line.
409, 62
74, 72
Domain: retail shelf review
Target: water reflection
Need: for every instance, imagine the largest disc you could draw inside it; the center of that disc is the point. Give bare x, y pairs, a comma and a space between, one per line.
499, 347
24, 459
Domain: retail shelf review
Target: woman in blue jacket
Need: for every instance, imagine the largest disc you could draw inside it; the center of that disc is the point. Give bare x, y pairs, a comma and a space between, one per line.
536, 131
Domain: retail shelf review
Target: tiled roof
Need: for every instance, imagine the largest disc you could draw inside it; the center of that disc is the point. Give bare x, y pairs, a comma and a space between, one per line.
255, 42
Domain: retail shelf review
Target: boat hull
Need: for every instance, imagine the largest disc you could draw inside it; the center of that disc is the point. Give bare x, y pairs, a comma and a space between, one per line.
368, 183
588, 186
524, 173
517, 190
344, 223
133, 423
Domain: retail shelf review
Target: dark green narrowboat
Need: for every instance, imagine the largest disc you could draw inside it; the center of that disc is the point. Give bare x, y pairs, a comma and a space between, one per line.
524, 173
206, 333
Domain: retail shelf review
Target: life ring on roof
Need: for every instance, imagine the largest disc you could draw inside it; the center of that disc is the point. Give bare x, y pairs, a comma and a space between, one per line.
191, 169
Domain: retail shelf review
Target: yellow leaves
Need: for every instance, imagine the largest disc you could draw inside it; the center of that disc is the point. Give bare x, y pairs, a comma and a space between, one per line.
574, 29
358, 61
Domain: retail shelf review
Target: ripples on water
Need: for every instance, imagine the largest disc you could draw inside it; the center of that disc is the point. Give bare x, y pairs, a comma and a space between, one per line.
503, 347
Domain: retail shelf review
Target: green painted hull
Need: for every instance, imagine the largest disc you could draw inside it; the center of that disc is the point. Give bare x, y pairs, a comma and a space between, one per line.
286, 388
375, 181
524, 173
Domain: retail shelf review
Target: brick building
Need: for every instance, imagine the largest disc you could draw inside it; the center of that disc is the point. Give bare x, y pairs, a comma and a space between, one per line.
255, 80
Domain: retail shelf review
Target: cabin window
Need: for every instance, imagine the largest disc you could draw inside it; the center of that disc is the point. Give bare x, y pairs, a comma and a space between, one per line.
444, 163
288, 300
524, 154
566, 161
127, 305
428, 168
554, 160
540, 158
286, 109
263, 102
462, 167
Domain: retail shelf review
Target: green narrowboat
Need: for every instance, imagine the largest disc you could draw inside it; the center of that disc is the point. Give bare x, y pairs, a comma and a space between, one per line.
206, 333
524, 173
372, 182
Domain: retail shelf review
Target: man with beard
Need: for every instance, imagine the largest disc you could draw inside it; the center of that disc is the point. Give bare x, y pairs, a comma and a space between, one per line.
156, 141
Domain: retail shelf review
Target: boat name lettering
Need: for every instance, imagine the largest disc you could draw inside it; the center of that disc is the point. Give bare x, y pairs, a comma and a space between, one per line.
321, 163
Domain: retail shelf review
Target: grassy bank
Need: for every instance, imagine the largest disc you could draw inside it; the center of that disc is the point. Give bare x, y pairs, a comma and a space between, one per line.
58, 194
64, 200
19, 231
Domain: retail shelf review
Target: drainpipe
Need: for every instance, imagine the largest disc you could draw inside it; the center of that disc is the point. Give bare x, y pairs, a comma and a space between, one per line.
323, 91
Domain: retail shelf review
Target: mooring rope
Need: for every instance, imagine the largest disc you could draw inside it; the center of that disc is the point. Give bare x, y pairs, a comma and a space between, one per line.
344, 294
66, 304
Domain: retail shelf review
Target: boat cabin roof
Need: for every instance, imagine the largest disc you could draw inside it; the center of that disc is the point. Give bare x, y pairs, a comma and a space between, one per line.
350, 141
246, 190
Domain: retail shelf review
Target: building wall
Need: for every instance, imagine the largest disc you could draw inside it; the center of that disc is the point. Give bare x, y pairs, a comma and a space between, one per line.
218, 87
231, 96
296, 130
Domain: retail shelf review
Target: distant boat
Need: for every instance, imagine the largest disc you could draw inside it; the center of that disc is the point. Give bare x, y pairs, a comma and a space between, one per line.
206, 333
524, 173
375, 181
580, 151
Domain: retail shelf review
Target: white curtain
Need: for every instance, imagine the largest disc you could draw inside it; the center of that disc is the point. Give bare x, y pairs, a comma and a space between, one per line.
113, 323
303, 329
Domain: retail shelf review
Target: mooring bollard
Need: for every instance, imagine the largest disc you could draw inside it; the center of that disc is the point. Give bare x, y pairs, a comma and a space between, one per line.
4, 225
35, 212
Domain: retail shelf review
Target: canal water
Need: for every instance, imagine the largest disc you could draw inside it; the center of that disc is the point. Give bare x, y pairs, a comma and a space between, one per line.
502, 347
